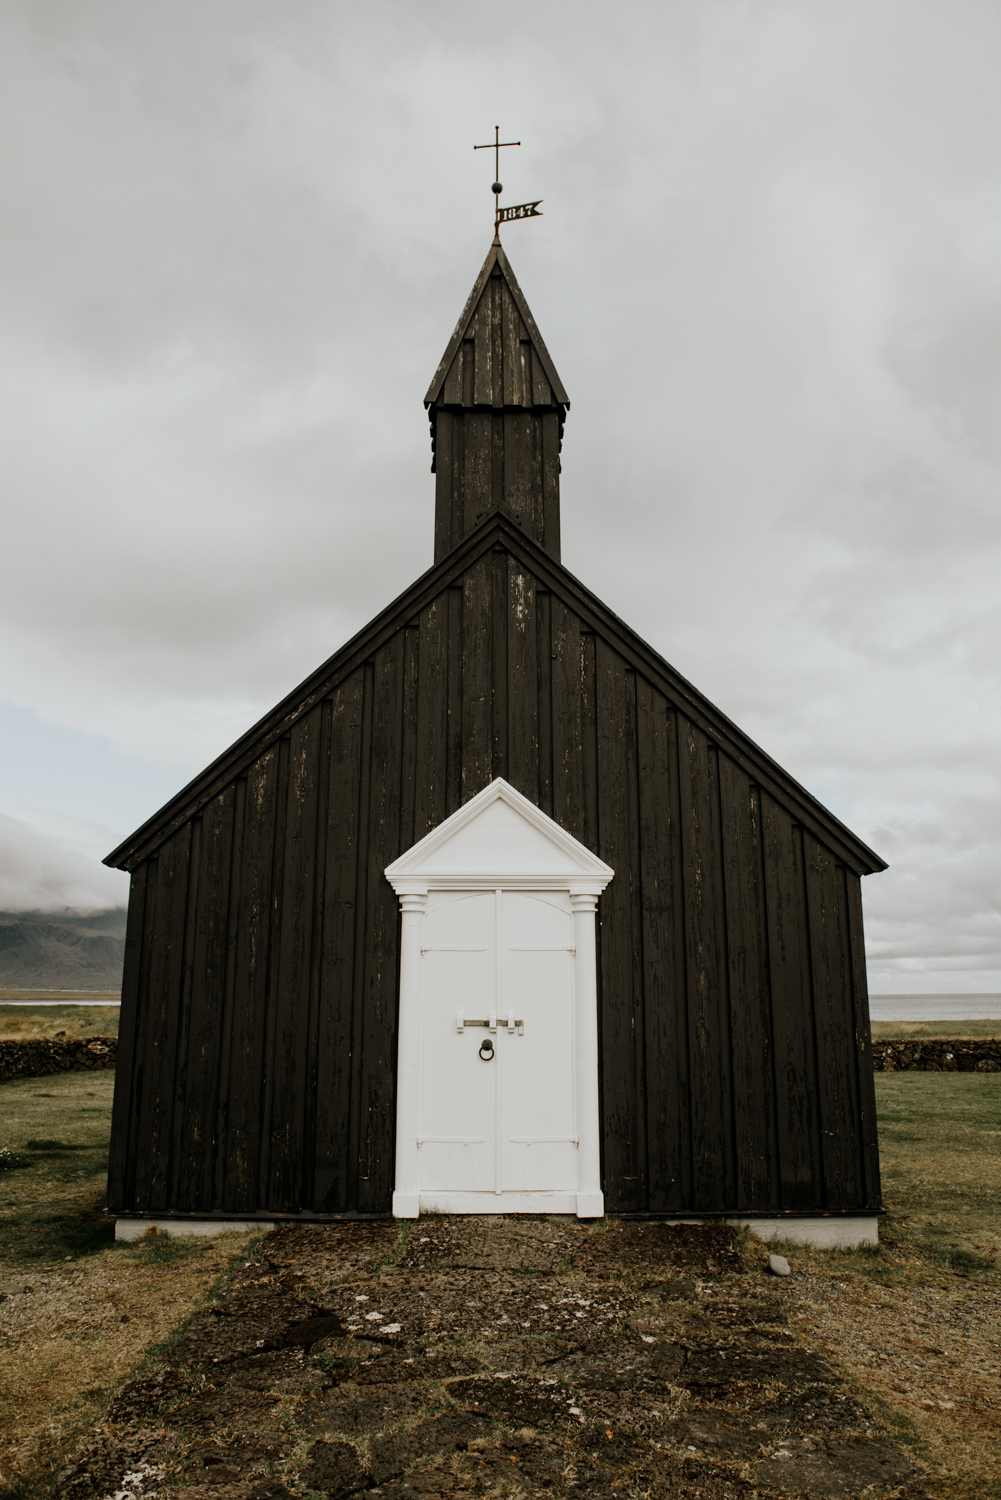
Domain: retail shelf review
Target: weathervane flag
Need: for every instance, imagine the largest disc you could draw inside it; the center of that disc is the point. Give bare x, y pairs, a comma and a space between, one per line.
519, 211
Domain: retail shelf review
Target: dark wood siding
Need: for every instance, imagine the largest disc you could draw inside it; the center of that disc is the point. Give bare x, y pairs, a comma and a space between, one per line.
257, 1065
497, 419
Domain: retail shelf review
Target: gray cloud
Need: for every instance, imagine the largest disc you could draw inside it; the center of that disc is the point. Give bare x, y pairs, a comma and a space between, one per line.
235, 241
50, 863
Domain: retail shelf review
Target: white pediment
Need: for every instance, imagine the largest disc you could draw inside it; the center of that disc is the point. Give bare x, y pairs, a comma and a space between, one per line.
499, 838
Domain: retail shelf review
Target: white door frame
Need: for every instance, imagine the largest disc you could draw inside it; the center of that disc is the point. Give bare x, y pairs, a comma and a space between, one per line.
557, 863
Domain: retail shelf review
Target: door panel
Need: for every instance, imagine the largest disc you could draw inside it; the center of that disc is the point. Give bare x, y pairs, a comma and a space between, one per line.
537, 1078
458, 1090
505, 1125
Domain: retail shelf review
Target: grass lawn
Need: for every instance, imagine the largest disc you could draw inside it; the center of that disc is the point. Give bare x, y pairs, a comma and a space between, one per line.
916, 1323
79, 1314
23, 1023
940, 1145
948, 1031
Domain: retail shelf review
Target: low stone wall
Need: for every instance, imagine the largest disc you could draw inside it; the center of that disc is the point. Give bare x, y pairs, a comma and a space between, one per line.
36, 1058
937, 1057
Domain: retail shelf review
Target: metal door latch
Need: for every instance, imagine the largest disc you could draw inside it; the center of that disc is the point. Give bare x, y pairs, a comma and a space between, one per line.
512, 1023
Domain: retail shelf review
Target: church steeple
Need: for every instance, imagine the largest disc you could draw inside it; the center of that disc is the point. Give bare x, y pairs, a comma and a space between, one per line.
497, 408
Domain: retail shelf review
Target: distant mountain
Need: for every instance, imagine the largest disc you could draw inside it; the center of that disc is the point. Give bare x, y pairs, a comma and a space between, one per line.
67, 950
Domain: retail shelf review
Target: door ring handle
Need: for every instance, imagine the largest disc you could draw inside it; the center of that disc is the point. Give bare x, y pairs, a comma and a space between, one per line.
487, 1050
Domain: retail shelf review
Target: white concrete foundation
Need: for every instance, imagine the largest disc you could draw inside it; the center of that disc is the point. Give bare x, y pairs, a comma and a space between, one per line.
826, 1234
138, 1229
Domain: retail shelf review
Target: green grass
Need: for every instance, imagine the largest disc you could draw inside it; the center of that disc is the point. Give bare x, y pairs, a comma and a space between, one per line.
940, 1162
940, 1149
51, 1207
948, 1031
26, 1022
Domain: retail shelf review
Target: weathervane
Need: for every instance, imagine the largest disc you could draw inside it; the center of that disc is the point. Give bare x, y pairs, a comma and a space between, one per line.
517, 210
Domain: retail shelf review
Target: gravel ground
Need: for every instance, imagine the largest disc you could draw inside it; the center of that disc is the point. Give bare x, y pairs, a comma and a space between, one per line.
501, 1357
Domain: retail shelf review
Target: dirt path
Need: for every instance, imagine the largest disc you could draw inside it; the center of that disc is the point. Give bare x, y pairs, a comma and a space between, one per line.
478, 1357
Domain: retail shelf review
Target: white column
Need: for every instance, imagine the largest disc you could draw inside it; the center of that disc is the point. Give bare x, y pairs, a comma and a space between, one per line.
406, 1197
590, 1199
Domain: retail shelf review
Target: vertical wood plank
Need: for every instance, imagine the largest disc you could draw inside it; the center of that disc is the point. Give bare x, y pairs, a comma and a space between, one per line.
410, 773
523, 472
568, 788
499, 725
621, 1018
587, 819
286, 1189
152, 1144
542, 391
477, 687
143, 1085
455, 645
668, 1093
444, 484
336, 1063
544, 676
357, 1122
551, 481
377, 1071
706, 965
513, 381
833, 1018
792, 1002
307, 1170
498, 458
431, 753
246, 1076
227, 1037
451, 390
177, 1185
123, 1108
863, 1039
750, 1001
477, 469
195, 1156
522, 682
495, 293
270, 1148
467, 369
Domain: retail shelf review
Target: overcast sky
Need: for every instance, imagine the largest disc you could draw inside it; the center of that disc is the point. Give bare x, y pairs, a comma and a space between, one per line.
234, 240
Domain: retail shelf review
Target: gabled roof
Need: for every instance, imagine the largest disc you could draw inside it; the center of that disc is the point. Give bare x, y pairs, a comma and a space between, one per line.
498, 527
501, 382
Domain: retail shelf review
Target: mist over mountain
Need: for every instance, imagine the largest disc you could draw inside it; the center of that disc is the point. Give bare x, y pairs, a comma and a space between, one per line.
62, 950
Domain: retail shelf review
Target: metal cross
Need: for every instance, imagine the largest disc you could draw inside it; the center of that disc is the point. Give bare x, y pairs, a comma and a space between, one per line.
496, 146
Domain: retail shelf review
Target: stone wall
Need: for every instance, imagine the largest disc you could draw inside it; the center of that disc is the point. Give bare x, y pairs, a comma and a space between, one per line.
36, 1058
44, 1055
937, 1057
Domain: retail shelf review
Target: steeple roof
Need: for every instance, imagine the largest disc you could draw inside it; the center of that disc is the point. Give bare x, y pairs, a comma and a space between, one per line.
498, 370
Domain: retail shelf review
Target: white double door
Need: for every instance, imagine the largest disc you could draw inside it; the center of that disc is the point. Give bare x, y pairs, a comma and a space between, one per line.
497, 1106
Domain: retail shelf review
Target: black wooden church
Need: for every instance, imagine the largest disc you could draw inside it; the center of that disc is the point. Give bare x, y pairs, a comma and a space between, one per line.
260, 1058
